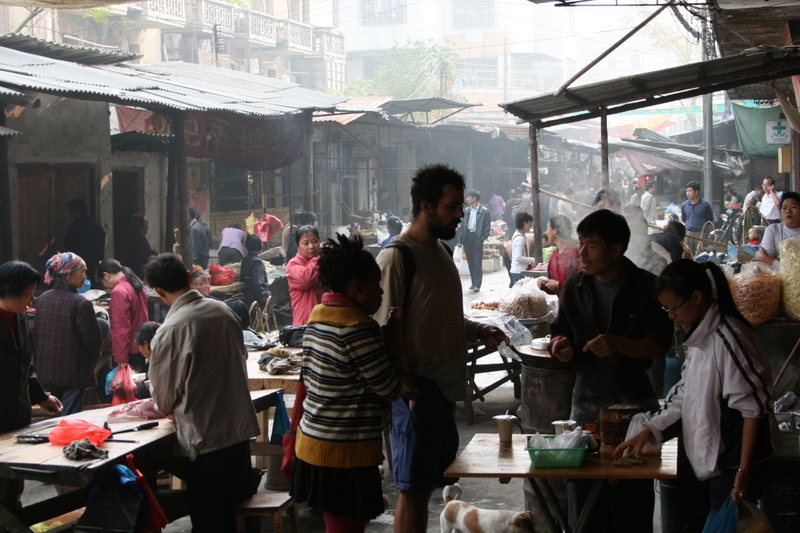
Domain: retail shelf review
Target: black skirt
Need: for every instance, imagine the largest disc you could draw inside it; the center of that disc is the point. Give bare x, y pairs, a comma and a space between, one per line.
348, 492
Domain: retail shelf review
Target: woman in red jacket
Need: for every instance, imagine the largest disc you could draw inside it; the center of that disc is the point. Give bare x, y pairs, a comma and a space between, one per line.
304, 288
127, 310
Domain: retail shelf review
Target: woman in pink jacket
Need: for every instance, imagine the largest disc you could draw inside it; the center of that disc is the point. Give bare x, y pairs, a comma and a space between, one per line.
304, 288
127, 310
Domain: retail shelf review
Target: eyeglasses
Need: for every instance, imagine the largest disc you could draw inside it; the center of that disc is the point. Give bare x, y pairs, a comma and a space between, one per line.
673, 311
455, 206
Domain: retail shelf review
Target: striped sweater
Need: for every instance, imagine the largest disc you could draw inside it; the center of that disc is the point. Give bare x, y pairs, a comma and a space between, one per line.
348, 375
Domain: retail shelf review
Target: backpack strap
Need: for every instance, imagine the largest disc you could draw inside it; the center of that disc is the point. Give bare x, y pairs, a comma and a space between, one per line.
410, 265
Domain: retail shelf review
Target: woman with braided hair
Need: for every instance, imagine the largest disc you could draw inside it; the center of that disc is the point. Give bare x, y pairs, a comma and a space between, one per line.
67, 334
351, 370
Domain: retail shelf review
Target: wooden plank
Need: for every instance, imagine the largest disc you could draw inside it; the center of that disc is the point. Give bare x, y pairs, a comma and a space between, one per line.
484, 457
260, 380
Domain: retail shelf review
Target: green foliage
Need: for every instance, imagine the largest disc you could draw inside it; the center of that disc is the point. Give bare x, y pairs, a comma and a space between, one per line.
415, 70
100, 14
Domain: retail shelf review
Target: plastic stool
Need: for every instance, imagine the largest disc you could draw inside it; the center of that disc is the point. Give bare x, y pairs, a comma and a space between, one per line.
268, 504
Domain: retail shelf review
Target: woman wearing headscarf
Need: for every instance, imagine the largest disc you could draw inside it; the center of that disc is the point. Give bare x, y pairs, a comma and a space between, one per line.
67, 333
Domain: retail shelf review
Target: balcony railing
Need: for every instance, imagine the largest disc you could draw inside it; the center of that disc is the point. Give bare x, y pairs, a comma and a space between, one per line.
328, 43
298, 37
168, 8
206, 13
257, 27
153, 13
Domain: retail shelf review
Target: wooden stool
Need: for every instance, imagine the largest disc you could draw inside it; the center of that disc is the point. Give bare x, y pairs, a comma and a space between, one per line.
268, 504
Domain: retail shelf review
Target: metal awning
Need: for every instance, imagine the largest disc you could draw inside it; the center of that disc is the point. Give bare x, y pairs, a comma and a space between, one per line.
652, 88
406, 108
65, 52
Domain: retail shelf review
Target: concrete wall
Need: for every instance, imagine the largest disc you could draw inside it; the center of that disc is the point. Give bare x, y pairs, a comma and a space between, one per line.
62, 132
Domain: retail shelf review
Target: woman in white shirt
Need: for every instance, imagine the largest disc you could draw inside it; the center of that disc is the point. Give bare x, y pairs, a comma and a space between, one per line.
520, 256
769, 252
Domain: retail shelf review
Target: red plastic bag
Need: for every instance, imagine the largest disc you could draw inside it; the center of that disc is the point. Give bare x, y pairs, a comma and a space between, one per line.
70, 429
157, 517
123, 386
221, 275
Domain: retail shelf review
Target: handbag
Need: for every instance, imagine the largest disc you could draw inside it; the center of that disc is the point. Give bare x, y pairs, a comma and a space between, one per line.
292, 336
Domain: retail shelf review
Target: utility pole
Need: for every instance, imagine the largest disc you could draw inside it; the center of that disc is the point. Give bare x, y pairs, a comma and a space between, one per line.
215, 43
708, 123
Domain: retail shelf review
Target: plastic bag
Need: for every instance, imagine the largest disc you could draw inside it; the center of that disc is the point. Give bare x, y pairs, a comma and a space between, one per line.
221, 275
70, 429
636, 425
751, 519
790, 272
722, 520
280, 422
525, 300
156, 517
757, 292
457, 251
569, 439
116, 505
518, 335
122, 386
135, 411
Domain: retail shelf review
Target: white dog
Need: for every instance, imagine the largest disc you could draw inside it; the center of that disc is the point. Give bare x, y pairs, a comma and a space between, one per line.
466, 518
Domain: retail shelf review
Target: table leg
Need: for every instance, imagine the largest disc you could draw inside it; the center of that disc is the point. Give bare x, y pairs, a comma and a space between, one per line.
551, 497
9, 522
588, 507
548, 517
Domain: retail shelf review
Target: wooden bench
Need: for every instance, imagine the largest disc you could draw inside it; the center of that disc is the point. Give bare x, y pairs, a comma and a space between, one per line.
268, 504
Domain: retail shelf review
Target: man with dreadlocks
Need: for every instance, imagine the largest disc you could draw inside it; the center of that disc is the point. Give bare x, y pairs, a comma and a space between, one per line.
67, 334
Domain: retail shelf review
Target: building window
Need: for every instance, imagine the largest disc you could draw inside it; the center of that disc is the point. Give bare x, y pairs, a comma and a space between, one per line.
478, 72
468, 14
383, 11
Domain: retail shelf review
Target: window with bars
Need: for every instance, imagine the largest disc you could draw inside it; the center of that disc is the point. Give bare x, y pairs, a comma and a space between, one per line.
468, 14
383, 11
478, 72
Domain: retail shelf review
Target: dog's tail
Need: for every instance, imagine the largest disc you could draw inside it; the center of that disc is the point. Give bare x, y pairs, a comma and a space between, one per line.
451, 492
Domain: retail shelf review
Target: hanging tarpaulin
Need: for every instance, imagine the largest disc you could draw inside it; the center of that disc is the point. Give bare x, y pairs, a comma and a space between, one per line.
751, 127
644, 163
245, 142
790, 112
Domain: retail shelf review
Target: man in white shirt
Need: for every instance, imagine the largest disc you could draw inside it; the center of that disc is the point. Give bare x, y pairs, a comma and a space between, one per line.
770, 203
649, 202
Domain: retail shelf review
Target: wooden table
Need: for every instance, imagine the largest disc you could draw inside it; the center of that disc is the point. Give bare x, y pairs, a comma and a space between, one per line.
218, 290
46, 462
485, 457
260, 379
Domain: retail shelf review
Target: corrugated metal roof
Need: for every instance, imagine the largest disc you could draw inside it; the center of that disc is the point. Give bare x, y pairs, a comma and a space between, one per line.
66, 52
421, 105
7, 132
355, 102
179, 86
651, 88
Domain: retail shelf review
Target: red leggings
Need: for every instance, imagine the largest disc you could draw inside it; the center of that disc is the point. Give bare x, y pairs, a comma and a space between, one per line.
342, 524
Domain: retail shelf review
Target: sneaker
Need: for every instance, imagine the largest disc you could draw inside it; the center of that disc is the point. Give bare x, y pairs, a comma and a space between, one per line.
476, 289
472, 287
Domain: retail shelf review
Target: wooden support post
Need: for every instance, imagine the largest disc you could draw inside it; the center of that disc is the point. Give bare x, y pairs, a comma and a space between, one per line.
533, 135
169, 216
178, 151
6, 245
308, 171
604, 147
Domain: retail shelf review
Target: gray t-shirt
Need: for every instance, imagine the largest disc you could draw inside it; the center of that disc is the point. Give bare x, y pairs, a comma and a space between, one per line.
604, 294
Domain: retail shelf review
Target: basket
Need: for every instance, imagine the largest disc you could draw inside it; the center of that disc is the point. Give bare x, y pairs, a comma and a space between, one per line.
555, 457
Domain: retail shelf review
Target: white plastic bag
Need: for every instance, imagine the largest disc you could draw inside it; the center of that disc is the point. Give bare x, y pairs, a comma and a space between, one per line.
457, 255
636, 425
751, 519
518, 335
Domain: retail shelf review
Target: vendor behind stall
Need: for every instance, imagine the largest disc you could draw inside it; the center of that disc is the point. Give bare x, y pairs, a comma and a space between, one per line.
777, 233
610, 326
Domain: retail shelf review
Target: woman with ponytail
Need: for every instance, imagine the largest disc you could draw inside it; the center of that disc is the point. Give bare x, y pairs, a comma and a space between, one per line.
722, 406
127, 310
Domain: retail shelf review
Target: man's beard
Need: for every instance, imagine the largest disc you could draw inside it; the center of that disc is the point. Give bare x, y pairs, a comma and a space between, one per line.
440, 231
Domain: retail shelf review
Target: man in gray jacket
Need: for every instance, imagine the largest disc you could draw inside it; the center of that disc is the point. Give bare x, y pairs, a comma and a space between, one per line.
198, 375
474, 229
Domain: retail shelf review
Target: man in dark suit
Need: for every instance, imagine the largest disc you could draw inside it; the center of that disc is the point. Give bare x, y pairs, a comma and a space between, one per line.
474, 229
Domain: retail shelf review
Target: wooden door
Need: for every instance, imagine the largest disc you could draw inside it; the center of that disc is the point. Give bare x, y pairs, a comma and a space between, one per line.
43, 213
128, 186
